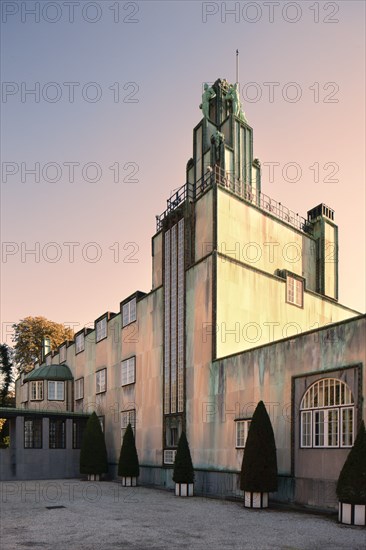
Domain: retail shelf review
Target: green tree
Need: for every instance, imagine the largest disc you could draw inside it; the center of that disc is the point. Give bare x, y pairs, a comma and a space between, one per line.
93, 453
128, 465
6, 370
351, 486
259, 466
28, 337
183, 467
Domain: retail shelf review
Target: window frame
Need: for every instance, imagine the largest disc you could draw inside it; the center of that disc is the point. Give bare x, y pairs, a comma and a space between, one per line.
58, 383
97, 375
101, 333
129, 317
78, 429
324, 398
39, 435
59, 438
77, 337
297, 282
130, 414
238, 422
77, 395
126, 363
38, 384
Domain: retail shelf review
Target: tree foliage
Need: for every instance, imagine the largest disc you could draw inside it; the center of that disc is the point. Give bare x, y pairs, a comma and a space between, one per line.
183, 467
259, 466
28, 337
128, 465
93, 453
351, 486
6, 369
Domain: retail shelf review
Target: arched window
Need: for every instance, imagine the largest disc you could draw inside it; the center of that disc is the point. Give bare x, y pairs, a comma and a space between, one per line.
327, 415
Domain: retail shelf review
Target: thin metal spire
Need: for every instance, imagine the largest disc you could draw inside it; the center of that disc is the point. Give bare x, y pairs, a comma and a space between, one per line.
237, 66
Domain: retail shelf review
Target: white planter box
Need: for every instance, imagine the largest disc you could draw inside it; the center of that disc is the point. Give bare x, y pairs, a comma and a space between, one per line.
184, 489
93, 477
129, 481
255, 500
352, 514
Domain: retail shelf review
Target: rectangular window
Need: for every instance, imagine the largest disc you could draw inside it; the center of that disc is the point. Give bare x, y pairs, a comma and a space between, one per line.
101, 329
306, 429
169, 456
56, 390
57, 433
129, 312
242, 429
79, 388
294, 291
326, 428
78, 427
37, 390
101, 381
347, 427
33, 433
128, 371
62, 354
79, 343
128, 417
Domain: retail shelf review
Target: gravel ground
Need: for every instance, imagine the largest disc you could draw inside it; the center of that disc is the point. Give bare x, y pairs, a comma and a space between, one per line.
107, 516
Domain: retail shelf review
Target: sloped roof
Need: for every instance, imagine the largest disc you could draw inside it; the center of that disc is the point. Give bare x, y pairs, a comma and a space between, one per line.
50, 372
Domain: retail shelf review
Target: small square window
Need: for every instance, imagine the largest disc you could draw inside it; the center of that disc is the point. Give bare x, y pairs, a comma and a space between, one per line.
56, 390
128, 371
101, 381
79, 388
101, 329
294, 291
79, 343
242, 429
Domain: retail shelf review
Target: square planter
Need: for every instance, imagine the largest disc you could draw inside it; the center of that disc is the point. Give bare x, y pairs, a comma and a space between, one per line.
128, 481
93, 477
352, 514
255, 500
184, 489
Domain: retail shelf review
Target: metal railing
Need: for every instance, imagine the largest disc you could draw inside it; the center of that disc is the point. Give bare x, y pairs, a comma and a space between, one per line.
192, 192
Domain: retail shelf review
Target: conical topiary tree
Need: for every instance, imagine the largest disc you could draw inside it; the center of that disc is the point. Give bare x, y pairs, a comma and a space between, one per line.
259, 466
128, 465
351, 486
93, 453
183, 473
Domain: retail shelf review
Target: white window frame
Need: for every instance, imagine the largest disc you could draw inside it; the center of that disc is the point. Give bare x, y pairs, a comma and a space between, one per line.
101, 381
58, 393
294, 291
129, 312
79, 388
128, 371
79, 343
169, 456
128, 417
101, 329
36, 390
327, 398
241, 432
63, 353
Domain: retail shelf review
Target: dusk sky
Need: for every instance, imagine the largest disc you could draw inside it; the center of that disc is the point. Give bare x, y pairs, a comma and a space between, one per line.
118, 84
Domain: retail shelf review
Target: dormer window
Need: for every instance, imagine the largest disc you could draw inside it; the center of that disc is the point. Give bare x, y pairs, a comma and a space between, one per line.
63, 353
129, 312
101, 329
79, 342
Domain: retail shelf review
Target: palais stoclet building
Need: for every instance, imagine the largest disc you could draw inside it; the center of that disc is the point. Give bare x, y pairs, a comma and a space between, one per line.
243, 307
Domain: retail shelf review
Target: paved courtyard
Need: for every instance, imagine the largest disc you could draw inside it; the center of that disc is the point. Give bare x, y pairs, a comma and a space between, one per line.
89, 516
